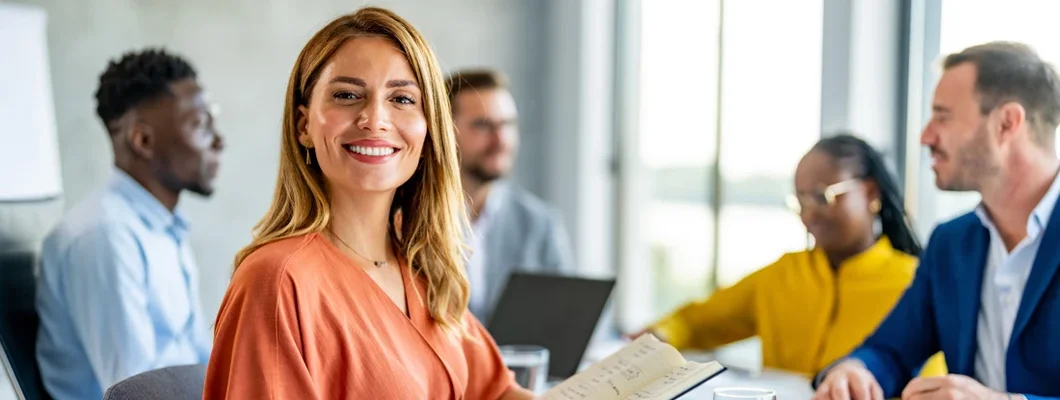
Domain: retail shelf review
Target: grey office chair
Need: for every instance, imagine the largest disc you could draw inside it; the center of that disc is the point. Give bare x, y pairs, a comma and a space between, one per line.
171, 383
22, 227
18, 324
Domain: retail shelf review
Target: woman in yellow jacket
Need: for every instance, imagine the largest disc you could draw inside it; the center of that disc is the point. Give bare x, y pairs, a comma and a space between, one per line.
811, 307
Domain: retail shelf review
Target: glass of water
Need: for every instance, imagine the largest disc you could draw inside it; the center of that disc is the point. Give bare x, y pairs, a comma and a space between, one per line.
744, 394
530, 365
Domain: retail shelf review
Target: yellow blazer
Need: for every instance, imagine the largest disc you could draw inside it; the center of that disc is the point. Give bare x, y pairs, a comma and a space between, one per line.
806, 314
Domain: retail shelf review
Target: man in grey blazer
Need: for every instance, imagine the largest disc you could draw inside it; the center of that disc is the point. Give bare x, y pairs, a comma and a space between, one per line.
512, 229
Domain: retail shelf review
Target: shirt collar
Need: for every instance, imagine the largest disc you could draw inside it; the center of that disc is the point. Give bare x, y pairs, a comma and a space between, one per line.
877, 251
496, 197
150, 210
1039, 217
494, 200
866, 262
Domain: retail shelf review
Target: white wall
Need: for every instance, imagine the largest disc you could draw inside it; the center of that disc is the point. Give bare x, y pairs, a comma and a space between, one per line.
244, 51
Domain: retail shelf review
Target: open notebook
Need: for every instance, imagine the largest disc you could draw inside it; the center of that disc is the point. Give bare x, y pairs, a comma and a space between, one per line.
646, 369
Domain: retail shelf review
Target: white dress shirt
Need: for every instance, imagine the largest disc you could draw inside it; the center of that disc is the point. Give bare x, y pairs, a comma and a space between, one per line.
1003, 282
476, 266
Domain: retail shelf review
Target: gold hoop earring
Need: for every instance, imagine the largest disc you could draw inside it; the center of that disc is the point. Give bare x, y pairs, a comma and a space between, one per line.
875, 206
308, 160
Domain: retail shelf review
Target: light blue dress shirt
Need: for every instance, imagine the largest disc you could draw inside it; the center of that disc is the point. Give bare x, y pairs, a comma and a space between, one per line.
1003, 282
117, 293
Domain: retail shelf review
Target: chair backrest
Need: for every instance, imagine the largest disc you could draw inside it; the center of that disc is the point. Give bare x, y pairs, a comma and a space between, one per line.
18, 323
182, 382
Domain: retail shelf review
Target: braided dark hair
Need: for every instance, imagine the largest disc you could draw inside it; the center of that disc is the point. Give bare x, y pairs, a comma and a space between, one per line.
135, 78
865, 162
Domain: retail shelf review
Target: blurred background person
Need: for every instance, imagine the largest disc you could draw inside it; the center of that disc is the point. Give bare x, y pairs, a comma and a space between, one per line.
354, 283
814, 306
987, 291
512, 230
118, 289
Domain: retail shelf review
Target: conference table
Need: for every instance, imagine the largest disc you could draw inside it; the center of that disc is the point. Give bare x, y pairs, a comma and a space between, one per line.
741, 373
7, 392
785, 384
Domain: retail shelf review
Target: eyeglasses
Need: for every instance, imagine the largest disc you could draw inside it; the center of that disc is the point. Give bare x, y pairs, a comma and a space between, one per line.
798, 202
483, 125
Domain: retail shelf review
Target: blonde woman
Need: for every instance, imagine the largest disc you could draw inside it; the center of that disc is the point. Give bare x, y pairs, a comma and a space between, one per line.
353, 286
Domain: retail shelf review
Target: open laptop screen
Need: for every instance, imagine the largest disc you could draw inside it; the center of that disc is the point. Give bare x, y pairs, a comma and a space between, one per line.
557, 312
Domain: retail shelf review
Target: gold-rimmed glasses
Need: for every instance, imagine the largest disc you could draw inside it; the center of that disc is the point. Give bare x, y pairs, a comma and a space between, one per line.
799, 201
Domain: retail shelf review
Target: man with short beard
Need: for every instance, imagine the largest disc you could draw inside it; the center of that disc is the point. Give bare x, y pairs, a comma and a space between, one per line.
987, 291
118, 289
512, 229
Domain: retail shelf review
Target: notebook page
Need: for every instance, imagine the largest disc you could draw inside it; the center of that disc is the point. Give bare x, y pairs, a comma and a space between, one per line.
678, 381
622, 373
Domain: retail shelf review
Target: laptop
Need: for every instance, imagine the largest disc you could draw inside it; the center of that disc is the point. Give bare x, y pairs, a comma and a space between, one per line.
559, 313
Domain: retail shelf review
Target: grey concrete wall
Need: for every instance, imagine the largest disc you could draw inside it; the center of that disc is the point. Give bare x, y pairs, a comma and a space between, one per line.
861, 77
244, 51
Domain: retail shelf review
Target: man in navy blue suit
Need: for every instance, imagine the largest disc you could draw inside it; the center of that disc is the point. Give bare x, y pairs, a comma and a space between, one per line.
987, 292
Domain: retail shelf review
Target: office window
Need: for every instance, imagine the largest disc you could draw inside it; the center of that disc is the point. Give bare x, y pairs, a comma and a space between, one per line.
678, 133
966, 23
770, 116
970, 22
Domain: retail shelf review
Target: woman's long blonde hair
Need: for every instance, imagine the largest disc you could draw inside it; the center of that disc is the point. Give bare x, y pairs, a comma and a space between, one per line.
433, 218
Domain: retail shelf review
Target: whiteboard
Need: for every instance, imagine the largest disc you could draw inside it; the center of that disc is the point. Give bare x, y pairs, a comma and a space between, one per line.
29, 151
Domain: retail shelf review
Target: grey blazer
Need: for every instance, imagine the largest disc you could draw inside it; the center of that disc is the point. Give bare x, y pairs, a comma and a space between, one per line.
524, 234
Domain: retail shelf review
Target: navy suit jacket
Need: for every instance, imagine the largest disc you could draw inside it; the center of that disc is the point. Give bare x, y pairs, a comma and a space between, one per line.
939, 311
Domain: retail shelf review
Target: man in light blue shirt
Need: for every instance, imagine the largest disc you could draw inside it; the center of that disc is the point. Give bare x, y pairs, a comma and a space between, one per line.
117, 293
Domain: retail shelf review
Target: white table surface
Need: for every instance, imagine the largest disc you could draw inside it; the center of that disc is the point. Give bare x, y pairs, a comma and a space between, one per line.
787, 386
7, 392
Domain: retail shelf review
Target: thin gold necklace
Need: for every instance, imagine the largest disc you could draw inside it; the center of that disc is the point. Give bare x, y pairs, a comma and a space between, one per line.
378, 264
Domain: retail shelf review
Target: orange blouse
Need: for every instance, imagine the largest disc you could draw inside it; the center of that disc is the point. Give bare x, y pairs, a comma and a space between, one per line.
301, 321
